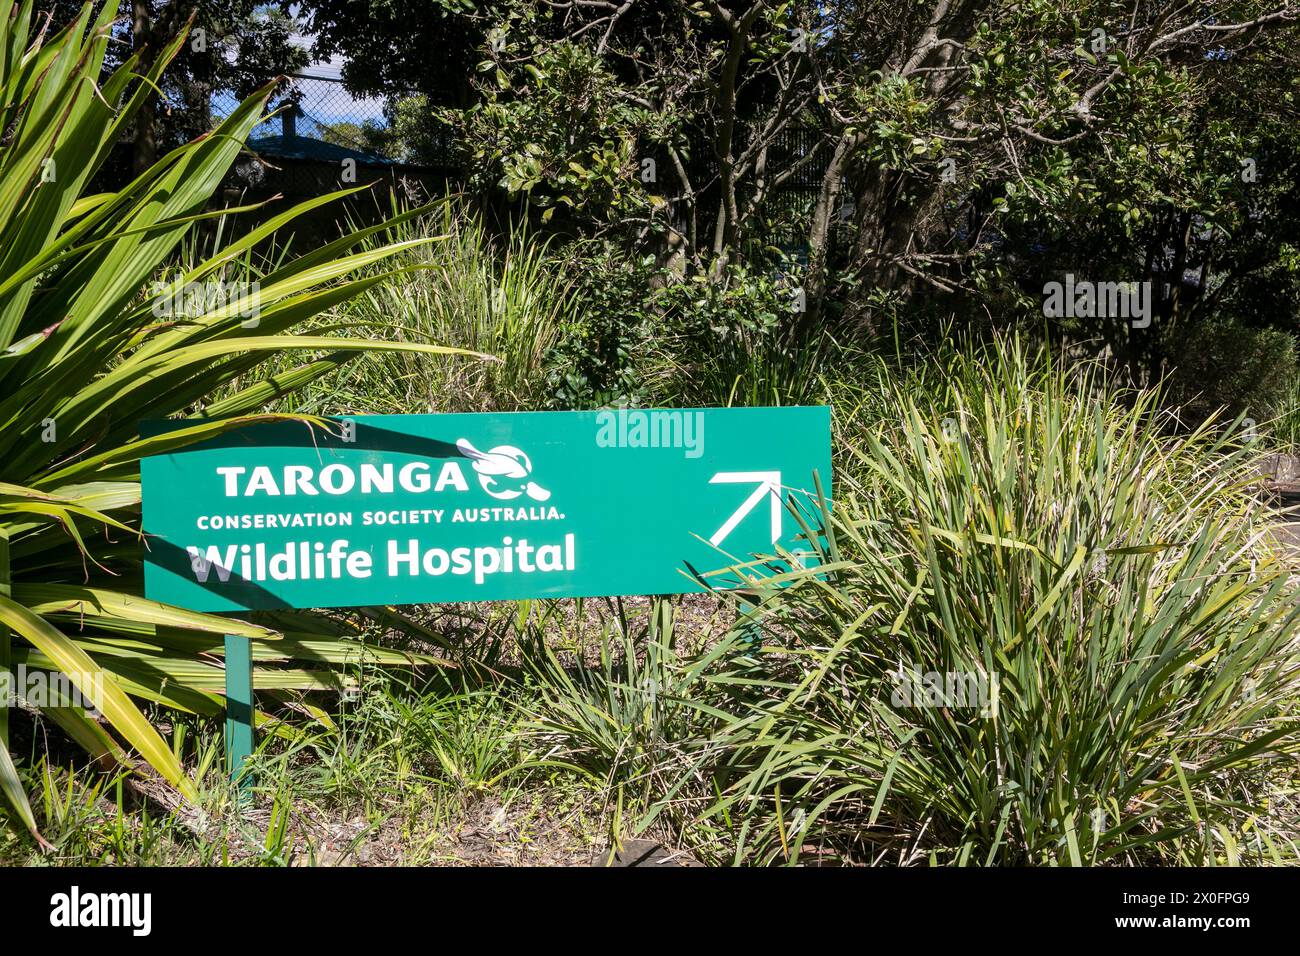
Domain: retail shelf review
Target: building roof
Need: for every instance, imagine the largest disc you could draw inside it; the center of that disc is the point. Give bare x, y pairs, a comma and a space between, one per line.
316, 150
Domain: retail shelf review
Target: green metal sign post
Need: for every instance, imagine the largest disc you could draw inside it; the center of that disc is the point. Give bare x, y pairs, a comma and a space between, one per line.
413, 509
5, 648
239, 707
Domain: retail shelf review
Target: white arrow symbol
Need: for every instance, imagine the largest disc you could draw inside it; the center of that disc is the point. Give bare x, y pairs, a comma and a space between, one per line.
769, 483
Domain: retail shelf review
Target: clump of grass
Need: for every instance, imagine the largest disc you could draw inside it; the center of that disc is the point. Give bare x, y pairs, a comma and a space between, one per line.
90, 815
1044, 632
627, 721
503, 297
394, 774
1285, 427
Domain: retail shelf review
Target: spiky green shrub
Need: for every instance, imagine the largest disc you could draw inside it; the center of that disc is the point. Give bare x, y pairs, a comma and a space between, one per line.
1284, 429
1044, 631
507, 297
626, 720
85, 355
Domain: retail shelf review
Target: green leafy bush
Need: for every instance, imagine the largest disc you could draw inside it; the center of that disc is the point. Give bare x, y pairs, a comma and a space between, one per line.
642, 334
595, 360
557, 131
1226, 365
729, 342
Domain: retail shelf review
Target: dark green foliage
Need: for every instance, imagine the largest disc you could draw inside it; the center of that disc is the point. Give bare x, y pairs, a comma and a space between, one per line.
1229, 365
643, 334
594, 362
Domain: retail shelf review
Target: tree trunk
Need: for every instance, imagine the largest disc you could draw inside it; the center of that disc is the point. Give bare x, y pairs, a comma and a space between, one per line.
885, 226
825, 212
146, 145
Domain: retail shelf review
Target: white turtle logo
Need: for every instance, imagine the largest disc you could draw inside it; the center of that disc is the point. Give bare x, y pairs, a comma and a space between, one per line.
503, 471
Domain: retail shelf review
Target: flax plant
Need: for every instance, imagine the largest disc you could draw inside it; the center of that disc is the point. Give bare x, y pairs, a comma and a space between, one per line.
86, 354
1044, 630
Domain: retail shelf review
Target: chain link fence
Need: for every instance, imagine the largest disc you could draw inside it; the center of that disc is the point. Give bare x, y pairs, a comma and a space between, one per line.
321, 138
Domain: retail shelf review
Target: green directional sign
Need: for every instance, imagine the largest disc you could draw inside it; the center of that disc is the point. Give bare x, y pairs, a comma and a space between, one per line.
407, 509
